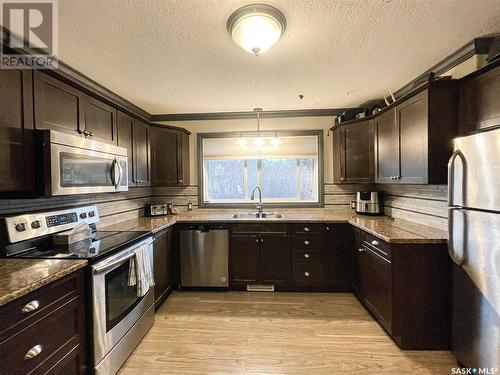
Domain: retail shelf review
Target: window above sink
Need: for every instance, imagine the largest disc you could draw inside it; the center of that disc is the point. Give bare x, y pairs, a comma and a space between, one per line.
286, 165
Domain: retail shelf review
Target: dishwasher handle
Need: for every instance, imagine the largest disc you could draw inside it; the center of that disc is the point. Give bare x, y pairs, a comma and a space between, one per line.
204, 228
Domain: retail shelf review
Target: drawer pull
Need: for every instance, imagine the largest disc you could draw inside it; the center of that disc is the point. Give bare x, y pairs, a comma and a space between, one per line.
32, 306
306, 274
327, 228
306, 255
33, 352
375, 243
307, 242
256, 240
361, 249
307, 229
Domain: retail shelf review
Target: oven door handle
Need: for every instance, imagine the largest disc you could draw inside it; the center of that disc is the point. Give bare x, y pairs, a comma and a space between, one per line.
112, 264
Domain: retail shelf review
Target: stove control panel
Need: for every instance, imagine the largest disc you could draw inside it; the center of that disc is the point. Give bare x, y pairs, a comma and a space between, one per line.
24, 227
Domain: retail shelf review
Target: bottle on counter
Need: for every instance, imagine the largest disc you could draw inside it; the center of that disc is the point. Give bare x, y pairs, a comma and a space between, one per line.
190, 205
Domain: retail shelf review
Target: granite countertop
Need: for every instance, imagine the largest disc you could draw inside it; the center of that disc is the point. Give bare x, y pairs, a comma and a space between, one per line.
21, 276
383, 227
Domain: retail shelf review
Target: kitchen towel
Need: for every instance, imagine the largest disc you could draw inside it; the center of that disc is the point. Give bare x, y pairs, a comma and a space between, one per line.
140, 272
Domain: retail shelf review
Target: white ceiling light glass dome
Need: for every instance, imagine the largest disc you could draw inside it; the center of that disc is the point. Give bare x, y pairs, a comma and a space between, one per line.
256, 27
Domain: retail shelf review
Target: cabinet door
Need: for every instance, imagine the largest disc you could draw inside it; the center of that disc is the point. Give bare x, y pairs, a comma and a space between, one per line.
387, 150
358, 155
166, 157
338, 256
141, 153
356, 253
244, 260
162, 249
124, 139
275, 260
375, 278
16, 131
58, 106
412, 117
100, 121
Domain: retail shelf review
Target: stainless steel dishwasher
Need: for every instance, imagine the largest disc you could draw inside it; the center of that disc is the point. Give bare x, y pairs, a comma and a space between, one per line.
204, 255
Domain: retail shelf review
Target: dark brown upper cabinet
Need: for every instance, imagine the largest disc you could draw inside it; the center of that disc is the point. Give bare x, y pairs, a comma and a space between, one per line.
479, 105
58, 106
169, 156
141, 153
100, 121
61, 107
134, 136
124, 139
16, 131
353, 149
413, 138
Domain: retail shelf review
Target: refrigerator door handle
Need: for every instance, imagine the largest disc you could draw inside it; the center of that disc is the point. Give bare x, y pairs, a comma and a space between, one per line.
451, 178
456, 256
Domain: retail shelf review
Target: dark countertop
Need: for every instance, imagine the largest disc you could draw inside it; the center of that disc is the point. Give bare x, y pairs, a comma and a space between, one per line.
383, 227
21, 276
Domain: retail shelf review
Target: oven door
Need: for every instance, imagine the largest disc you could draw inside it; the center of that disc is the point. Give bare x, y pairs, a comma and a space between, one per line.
79, 166
116, 307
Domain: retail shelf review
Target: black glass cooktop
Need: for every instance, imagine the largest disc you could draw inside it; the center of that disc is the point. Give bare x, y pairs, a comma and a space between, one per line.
102, 243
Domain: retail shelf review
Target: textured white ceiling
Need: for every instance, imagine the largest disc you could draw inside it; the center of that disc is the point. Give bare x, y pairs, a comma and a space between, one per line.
175, 56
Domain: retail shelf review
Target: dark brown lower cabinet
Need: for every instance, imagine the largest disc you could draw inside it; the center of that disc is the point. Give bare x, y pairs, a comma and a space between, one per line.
407, 288
291, 257
164, 265
56, 330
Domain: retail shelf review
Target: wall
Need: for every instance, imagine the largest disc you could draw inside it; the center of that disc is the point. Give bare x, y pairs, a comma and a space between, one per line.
424, 204
112, 207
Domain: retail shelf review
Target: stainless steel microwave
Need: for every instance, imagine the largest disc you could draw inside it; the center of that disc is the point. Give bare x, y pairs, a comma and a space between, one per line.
75, 165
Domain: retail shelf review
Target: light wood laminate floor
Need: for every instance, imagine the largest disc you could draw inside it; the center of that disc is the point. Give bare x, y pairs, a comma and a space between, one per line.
273, 333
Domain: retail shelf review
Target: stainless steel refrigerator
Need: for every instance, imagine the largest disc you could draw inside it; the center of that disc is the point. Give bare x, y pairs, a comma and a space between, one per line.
474, 247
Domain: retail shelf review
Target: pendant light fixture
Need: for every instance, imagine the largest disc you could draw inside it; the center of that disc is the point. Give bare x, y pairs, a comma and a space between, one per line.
259, 141
276, 141
241, 141
256, 27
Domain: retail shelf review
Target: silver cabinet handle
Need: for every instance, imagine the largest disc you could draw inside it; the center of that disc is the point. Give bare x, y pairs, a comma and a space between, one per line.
307, 242
32, 306
261, 240
327, 228
375, 243
33, 352
307, 229
306, 255
306, 274
256, 240
181, 181
361, 249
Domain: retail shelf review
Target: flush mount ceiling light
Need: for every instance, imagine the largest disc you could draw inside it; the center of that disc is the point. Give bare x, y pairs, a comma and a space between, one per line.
256, 27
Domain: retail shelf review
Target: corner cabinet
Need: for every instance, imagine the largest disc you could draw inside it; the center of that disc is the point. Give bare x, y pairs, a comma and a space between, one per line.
169, 156
393, 282
133, 134
413, 138
353, 147
16, 132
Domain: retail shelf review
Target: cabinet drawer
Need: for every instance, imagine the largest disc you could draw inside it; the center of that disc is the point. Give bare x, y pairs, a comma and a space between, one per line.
25, 310
308, 273
312, 228
307, 255
376, 244
47, 341
309, 241
257, 228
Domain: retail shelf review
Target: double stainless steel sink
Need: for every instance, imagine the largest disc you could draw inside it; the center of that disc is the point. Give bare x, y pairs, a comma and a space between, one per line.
257, 215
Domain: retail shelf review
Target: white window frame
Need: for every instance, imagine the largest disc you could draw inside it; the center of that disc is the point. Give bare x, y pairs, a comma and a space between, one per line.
246, 202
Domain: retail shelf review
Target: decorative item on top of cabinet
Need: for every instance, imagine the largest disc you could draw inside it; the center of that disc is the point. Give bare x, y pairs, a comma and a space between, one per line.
169, 156
49, 336
134, 136
407, 288
353, 148
61, 107
413, 137
16, 132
